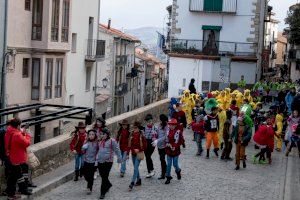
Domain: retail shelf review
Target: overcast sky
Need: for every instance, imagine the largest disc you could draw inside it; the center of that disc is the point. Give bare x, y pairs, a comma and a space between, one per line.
129, 14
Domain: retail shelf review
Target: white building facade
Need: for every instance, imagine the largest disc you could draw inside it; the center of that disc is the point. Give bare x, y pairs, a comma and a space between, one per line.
84, 54
203, 31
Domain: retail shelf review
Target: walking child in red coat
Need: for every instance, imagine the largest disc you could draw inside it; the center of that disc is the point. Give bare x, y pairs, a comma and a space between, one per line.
198, 127
264, 138
122, 139
76, 144
174, 141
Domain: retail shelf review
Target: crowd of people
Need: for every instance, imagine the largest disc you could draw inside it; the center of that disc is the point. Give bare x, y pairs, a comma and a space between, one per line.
220, 119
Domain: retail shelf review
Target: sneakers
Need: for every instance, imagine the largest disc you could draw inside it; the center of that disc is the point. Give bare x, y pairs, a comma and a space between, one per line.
31, 185
237, 167
253, 158
138, 182
168, 180
102, 196
95, 176
262, 162
88, 191
122, 174
131, 186
149, 175
161, 177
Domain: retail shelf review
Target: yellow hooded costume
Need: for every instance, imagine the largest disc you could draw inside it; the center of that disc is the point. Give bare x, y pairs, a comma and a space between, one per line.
248, 96
222, 118
279, 125
188, 104
239, 99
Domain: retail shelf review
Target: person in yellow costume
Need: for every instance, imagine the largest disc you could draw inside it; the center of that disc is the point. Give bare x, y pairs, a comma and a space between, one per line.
278, 133
223, 100
248, 96
188, 104
239, 99
222, 119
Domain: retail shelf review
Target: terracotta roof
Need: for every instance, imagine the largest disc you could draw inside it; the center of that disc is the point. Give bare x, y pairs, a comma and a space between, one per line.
118, 33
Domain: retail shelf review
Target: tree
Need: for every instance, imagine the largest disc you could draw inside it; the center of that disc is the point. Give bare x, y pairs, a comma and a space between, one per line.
293, 20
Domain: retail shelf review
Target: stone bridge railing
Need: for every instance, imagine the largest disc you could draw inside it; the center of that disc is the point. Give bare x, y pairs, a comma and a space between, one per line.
55, 152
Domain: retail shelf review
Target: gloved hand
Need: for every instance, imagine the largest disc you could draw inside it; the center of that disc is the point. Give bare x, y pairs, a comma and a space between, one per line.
154, 143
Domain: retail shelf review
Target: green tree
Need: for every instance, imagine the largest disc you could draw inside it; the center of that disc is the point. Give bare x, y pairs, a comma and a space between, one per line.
293, 20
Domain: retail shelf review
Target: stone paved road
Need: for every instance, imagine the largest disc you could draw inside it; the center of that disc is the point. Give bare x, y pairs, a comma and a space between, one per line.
202, 179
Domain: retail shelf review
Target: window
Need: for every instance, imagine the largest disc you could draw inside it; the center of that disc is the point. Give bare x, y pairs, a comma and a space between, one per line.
211, 41
58, 78
213, 5
27, 4
55, 20
184, 82
74, 42
25, 69
35, 80
65, 21
48, 78
88, 79
37, 19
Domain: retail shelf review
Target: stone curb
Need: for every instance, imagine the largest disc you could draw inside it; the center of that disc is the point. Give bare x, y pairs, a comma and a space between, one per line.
292, 178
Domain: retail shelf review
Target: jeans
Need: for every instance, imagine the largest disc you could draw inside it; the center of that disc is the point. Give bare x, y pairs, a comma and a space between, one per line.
199, 138
162, 158
136, 164
173, 160
104, 170
78, 162
148, 153
123, 164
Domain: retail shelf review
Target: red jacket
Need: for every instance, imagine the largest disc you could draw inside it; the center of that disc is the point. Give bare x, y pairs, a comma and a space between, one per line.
122, 139
136, 143
16, 145
198, 127
265, 136
174, 141
77, 142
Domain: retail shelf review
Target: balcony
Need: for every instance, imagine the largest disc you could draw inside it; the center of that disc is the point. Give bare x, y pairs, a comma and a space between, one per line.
204, 47
121, 89
95, 50
121, 60
213, 6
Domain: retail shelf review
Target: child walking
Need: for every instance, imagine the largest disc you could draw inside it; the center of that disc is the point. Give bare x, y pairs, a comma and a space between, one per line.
107, 148
90, 151
211, 129
293, 122
137, 145
241, 135
150, 134
76, 147
174, 141
122, 139
227, 136
162, 131
198, 127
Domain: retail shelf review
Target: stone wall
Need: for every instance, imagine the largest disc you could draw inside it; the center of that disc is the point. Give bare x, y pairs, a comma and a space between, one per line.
55, 152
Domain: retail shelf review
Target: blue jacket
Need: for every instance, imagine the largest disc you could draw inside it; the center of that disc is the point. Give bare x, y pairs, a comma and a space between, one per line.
171, 108
289, 98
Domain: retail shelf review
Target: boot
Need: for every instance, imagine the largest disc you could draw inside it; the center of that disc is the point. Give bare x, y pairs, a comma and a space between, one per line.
76, 175
168, 180
81, 172
23, 189
131, 186
207, 153
216, 152
138, 182
237, 167
178, 174
244, 164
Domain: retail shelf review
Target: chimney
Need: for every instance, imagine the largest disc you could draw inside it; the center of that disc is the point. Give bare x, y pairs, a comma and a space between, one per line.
109, 23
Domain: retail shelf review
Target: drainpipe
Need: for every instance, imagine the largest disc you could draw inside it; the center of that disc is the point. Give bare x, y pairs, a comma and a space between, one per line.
261, 39
140, 43
3, 65
96, 73
113, 86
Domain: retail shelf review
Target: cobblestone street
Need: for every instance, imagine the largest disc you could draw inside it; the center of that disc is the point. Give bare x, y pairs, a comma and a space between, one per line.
202, 179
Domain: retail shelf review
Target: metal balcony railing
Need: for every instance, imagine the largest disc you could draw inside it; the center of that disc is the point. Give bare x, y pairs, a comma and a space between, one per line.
216, 6
206, 47
95, 49
121, 89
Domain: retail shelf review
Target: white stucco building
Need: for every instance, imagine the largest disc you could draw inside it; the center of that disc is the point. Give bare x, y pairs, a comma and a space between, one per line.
204, 31
85, 51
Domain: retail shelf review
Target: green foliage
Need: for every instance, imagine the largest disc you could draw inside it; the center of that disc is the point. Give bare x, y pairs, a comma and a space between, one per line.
293, 20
